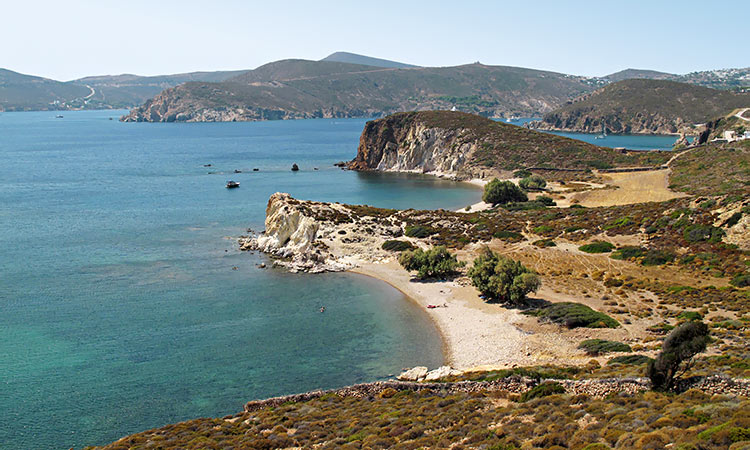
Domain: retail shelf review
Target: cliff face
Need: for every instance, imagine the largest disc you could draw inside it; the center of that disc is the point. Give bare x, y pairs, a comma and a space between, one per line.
590, 121
402, 143
308, 236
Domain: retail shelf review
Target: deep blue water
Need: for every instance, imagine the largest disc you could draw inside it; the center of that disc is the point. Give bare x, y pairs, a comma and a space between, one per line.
629, 141
120, 310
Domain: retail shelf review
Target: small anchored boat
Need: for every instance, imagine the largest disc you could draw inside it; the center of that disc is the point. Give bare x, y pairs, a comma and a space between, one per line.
232, 184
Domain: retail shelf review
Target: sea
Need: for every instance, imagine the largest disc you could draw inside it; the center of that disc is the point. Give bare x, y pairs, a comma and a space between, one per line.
125, 303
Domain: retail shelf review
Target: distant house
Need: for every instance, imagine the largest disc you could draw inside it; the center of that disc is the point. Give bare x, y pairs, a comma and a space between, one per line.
746, 135
730, 135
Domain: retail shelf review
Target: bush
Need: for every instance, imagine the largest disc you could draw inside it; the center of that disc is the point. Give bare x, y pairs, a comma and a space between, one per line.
597, 247
418, 231
532, 183
434, 263
498, 192
701, 233
630, 360
546, 201
502, 278
397, 246
678, 349
657, 257
628, 252
511, 235
690, 315
595, 347
733, 220
741, 281
544, 243
575, 315
542, 390
522, 173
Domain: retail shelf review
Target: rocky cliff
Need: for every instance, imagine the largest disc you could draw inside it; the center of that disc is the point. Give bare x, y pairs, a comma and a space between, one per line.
401, 143
309, 236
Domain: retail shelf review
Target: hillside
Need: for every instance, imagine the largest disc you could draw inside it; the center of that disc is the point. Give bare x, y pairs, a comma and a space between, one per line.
19, 92
353, 58
466, 145
293, 89
729, 79
644, 106
629, 74
127, 91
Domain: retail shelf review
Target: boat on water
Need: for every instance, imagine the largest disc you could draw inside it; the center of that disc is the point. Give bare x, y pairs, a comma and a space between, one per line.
232, 184
603, 135
59, 116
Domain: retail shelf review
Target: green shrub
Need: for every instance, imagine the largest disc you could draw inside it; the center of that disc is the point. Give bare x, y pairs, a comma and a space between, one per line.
546, 201
544, 243
700, 233
657, 257
498, 192
533, 183
523, 173
418, 231
628, 252
575, 315
621, 222
541, 229
511, 235
630, 360
501, 278
597, 347
732, 220
678, 349
436, 262
524, 206
690, 315
542, 390
597, 247
396, 245
740, 281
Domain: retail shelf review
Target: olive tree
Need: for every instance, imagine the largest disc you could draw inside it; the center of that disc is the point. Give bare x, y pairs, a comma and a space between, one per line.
501, 278
436, 262
677, 352
499, 192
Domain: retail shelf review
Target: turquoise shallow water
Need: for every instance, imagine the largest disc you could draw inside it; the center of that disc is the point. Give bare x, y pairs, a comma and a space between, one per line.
119, 308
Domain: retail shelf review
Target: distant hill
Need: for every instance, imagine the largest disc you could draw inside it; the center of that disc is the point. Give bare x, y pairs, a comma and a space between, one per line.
19, 92
293, 89
126, 91
730, 79
644, 106
629, 74
353, 58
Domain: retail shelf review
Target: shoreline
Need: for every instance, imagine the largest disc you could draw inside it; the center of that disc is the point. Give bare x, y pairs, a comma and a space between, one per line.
474, 333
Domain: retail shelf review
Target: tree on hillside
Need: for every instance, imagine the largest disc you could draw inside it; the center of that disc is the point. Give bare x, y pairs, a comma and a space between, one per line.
532, 183
499, 192
436, 262
678, 349
501, 278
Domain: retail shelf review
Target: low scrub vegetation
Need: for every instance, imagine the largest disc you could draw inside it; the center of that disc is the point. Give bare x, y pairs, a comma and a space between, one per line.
597, 247
630, 360
395, 245
532, 183
542, 390
596, 347
436, 262
419, 231
574, 315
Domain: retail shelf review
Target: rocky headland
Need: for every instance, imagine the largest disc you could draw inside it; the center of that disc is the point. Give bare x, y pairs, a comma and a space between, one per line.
640, 106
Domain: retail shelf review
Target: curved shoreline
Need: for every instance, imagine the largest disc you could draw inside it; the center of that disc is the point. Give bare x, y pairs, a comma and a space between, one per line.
475, 334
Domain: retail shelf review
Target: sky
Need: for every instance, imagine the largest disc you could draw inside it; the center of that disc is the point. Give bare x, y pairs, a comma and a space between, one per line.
69, 39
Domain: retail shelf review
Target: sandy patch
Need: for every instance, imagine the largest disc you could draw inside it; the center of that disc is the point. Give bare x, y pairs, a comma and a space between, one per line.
631, 187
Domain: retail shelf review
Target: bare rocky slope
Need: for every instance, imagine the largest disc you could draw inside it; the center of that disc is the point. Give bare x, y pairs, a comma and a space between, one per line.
465, 146
299, 89
644, 106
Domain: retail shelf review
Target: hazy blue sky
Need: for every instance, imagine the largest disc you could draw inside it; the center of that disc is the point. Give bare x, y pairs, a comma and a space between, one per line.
66, 39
